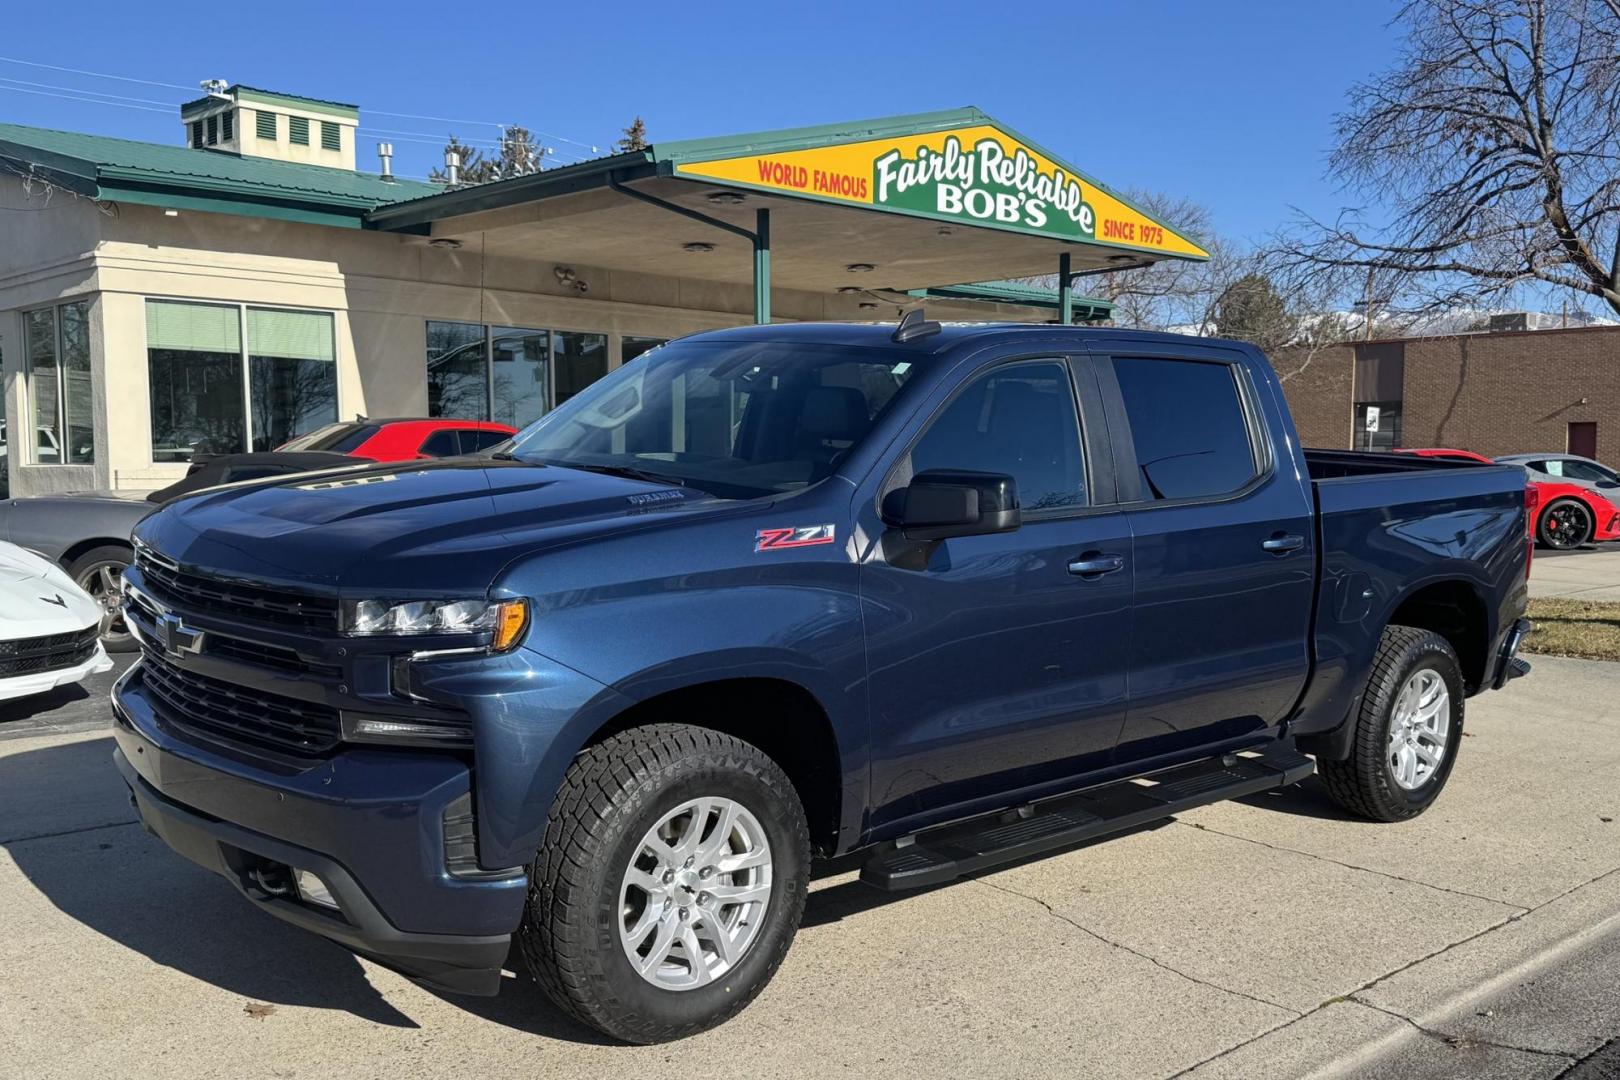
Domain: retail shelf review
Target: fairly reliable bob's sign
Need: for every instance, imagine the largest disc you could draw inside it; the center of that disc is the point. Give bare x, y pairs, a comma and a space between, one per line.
978, 175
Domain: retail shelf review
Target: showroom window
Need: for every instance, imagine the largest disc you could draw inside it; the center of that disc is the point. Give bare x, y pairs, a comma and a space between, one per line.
57, 345
507, 374
227, 377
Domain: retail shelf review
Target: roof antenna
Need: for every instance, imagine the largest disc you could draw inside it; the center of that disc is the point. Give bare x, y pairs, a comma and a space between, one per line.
914, 325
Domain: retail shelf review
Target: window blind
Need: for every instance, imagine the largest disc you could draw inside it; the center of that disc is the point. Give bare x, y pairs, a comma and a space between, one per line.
193, 327
292, 335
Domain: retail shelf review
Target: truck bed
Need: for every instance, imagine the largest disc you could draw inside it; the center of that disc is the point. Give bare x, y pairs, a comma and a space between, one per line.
1389, 524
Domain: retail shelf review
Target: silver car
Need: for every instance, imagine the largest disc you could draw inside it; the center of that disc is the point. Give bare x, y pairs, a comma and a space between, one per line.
1567, 469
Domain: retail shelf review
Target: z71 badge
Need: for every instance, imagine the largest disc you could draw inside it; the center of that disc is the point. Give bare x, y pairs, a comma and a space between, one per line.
793, 537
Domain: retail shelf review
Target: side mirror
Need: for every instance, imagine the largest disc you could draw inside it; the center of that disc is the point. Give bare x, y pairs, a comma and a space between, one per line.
942, 503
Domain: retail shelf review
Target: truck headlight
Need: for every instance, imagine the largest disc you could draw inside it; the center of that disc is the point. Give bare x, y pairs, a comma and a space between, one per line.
505, 620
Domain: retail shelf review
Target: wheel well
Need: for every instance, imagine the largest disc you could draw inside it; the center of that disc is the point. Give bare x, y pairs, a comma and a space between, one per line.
84, 546
781, 718
1454, 610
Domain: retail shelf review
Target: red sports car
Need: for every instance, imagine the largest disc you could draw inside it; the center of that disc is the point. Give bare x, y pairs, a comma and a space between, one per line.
402, 439
1563, 515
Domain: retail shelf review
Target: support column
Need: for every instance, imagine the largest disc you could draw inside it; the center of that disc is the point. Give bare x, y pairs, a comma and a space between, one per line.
762, 266
1065, 293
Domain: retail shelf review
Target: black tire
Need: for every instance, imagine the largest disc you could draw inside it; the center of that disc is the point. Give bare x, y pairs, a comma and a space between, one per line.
1565, 524
91, 572
1365, 783
611, 796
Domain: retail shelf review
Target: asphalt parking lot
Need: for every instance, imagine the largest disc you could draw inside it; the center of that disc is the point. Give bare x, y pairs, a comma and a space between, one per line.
1272, 937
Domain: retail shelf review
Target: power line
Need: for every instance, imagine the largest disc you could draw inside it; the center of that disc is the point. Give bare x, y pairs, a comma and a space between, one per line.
82, 90
95, 74
85, 100
148, 103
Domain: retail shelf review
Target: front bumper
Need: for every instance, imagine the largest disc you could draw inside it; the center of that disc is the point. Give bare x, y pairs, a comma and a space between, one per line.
18, 686
379, 846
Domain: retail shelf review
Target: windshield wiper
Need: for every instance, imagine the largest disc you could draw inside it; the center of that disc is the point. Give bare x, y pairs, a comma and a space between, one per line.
628, 471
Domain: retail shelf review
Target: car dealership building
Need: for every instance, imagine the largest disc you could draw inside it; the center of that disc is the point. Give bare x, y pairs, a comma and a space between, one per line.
158, 301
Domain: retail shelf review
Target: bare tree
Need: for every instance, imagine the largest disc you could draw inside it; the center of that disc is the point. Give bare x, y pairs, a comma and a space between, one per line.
1491, 150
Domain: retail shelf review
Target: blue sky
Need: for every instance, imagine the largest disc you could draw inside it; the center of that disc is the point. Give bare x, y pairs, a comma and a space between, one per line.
1228, 103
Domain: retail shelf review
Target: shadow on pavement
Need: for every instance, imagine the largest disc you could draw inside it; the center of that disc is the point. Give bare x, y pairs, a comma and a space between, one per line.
127, 886
1305, 799
37, 704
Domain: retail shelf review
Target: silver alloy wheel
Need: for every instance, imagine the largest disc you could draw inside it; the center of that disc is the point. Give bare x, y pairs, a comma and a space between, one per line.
694, 896
1418, 729
104, 583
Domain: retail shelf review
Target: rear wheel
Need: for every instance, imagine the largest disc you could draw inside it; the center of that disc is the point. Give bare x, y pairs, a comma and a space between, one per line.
100, 572
1407, 729
1566, 523
669, 885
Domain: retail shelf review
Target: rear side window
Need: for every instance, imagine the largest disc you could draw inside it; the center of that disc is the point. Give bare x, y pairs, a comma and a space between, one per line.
474, 441
442, 444
1017, 420
1188, 426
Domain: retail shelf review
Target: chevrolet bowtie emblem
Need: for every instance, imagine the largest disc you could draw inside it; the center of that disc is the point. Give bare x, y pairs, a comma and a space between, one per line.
176, 637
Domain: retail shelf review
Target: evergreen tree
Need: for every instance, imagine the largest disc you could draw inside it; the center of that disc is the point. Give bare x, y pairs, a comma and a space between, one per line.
635, 137
1251, 309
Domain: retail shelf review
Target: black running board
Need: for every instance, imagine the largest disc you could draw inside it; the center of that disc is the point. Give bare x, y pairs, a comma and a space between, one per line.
952, 851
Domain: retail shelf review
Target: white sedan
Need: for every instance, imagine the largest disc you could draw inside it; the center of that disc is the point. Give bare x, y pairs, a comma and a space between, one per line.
49, 628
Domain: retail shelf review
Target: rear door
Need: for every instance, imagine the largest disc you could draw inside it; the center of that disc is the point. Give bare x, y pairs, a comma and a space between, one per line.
1222, 548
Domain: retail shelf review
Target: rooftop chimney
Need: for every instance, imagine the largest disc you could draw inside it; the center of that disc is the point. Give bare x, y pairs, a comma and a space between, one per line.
452, 166
385, 160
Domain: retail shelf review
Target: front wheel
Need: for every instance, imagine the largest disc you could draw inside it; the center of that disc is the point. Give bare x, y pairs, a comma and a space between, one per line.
1407, 729
1565, 524
669, 885
100, 572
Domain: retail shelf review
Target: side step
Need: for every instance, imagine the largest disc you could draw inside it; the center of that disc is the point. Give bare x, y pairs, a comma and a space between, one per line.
951, 851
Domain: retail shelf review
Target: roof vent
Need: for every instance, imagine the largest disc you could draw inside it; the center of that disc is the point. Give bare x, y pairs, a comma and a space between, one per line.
215, 87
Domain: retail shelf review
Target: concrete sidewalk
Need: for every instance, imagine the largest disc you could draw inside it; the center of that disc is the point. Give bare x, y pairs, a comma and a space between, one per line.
1591, 573
1272, 937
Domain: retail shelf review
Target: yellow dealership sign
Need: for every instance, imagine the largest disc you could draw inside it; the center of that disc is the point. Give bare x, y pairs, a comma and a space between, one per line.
975, 175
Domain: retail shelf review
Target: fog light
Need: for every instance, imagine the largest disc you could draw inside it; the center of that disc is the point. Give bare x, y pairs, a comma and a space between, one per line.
312, 890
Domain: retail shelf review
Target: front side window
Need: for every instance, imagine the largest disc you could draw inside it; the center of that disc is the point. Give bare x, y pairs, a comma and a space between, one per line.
1188, 427
196, 358
57, 344
737, 420
1019, 421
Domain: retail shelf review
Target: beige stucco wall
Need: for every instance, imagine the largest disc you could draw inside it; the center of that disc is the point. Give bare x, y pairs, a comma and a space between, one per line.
382, 289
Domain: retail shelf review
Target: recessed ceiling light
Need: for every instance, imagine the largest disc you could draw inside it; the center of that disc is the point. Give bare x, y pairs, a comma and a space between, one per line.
726, 198
445, 243
860, 268
850, 289
944, 230
1122, 258
867, 305
697, 247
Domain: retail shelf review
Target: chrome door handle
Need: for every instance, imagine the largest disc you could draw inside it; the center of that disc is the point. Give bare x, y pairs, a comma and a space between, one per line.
1283, 544
1094, 564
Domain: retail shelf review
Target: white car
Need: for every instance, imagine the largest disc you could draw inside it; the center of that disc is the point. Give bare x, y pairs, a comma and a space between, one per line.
50, 629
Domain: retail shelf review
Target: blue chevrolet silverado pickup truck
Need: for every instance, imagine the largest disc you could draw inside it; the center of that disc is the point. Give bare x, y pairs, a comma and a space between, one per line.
946, 596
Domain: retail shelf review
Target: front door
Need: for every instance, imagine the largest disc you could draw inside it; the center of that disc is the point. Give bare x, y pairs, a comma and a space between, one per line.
997, 663
1223, 552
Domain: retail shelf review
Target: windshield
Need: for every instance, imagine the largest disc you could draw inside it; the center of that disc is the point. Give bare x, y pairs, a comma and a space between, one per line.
735, 419
339, 438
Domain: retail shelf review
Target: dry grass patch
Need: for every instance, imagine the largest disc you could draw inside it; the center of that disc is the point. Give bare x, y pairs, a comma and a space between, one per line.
1585, 629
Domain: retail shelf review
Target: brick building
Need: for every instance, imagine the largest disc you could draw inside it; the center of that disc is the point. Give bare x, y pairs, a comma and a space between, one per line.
1493, 393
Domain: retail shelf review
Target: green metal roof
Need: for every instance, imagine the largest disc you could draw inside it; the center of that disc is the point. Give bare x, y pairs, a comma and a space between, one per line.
124, 170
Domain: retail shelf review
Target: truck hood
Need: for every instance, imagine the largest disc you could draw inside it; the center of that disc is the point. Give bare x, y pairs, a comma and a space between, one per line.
418, 528
37, 598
